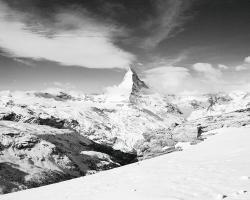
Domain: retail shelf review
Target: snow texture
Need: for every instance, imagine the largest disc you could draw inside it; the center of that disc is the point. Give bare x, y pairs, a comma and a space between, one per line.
217, 168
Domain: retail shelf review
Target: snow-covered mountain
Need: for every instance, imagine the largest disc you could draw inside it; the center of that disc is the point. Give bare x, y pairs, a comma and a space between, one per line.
216, 169
197, 106
54, 135
119, 123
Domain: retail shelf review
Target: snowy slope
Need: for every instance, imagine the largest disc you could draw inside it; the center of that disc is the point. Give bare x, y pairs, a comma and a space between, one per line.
225, 103
217, 168
129, 118
33, 155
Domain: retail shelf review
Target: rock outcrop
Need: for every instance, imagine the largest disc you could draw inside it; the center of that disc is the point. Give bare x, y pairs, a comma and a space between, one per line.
138, 86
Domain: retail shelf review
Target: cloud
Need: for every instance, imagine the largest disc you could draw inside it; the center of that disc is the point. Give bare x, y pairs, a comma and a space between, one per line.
223, 67
89, 44
208, 71
241, 68
201, 78
247, 59
244, 66
167, 79
168, 17
64, 85
23, 61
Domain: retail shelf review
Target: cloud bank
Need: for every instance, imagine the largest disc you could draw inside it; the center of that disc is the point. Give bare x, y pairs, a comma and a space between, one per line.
244, 66
247, 59
86, 36
90, 44
200, 78
207, 71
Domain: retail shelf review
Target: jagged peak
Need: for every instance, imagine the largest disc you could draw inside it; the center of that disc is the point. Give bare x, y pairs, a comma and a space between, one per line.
138, 84
130, 86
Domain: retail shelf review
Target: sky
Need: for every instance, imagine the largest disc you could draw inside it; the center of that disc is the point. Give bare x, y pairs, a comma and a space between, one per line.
176, 46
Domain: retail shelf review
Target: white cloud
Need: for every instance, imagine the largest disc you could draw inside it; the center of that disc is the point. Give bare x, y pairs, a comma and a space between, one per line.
244, 66
90, 45
208, 71
247, 59
167, 79
204, 78
241, 68
173, 75
23, 61
201, 78
64, 85
169, 15
223, 67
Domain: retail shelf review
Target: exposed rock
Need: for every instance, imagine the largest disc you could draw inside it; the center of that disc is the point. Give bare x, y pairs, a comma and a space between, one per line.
40, 155
10, 116
60, 97
58, 123
137, 87
26, 142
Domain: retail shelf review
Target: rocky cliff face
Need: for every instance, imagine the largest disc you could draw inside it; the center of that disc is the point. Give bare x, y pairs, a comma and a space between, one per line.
129, 89
138, 86
55, 135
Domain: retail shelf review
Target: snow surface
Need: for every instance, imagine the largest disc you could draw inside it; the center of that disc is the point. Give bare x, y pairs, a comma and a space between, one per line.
123, 91
218, 168
239, 100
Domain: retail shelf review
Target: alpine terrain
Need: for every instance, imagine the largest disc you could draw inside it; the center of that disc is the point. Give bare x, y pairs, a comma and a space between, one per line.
56, 135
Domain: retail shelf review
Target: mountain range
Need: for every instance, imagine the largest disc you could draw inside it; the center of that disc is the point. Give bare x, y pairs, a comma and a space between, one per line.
55, 135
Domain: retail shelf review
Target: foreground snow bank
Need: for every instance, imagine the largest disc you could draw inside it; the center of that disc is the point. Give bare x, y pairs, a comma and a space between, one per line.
218, 168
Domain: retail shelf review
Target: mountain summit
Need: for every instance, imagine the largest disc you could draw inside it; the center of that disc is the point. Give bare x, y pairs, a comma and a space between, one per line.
129, 88
138, 84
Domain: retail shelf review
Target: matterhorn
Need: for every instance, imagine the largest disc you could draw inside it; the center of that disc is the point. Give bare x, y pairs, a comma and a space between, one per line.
128, 89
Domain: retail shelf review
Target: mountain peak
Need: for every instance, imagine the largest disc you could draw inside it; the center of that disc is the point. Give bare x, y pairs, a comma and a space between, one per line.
138, 84
130, 87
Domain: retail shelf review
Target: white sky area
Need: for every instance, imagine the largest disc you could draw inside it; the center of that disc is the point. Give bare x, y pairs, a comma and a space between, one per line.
200, 78
91, 45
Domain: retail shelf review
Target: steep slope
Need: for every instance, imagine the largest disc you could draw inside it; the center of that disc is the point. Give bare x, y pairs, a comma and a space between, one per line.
138, 86
35, 155
131, 87
216, 169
